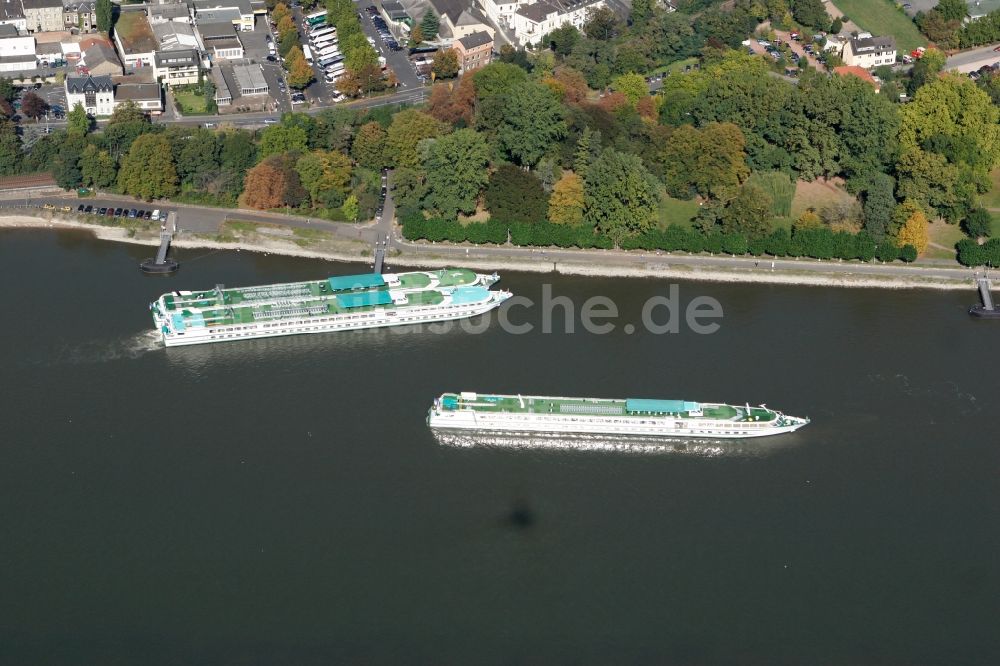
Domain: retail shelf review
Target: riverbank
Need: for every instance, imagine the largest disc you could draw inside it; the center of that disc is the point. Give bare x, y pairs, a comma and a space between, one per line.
597, 263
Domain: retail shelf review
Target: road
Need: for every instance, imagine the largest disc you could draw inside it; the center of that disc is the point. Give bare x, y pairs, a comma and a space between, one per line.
203, 219
973, 59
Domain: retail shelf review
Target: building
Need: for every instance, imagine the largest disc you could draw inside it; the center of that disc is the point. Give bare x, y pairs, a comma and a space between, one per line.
396, 18
474, 51
81, 16
867, 51
43, 15
17, 53
147, 96
165, 13
100, 59
534, 21
95, 93
134, 38
12, 14
458, 19
221, 41
240, 86
501, 12
238, 12
177, 68
859, 72
174, 35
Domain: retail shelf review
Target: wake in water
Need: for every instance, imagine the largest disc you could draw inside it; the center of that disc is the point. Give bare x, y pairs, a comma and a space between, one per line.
632, 445
101, 351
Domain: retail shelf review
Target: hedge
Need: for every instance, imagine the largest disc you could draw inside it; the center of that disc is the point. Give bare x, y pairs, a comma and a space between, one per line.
821, 243
971, 253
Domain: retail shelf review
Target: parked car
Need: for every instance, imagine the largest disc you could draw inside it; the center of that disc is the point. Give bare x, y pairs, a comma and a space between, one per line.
147, 215
102, 211
155, 215
88, 209
118, 212
79, 208
131, 213
110, 212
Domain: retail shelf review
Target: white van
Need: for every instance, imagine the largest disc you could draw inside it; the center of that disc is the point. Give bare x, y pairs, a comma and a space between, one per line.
155, 215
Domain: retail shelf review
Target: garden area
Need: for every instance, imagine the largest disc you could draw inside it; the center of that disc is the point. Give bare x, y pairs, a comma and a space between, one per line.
195, 99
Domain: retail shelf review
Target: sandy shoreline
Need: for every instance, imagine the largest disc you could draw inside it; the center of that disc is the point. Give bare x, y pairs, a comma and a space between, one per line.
593, 265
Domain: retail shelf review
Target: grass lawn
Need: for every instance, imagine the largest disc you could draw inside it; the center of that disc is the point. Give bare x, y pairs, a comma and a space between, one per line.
676, 211
943, 238
880, 17
992, 198
816, 195
995, 227
189, 102
674, 67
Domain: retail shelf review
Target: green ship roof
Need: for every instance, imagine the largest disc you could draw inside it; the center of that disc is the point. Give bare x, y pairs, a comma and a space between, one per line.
363, 281
660, 406
363, 299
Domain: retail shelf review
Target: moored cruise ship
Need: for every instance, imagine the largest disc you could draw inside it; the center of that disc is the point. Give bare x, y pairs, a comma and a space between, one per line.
340, 303
600, 416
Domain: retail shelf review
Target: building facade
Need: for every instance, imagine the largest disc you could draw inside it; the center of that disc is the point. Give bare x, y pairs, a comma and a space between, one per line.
12, 14
176, 68
147, 97
95, 93
43, 15
82, 16
474, 51
868, 52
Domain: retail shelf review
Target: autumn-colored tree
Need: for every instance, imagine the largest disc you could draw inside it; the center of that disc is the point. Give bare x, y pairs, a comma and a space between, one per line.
807, 220
566, 202
368, 148
454, 104
915, 232
647, 108
614, 101
569, 84
347, 83
264, 186
33, 106
416, 35
300, 73
286, 25
632, 85
445, 64
279, 12
326, 175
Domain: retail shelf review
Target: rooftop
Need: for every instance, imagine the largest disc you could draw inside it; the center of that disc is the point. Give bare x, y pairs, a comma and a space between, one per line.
249, 77
138, 92
882, 43
133, 32
476, 39
7, 30
41, 4
168, 12
10, 11
222, 15
243, 6
216, 29
83, 84
174, 35
177, 58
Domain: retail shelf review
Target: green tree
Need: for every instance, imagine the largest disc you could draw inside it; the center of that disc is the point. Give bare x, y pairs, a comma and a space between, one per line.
445, 64
350, 208
409, 188
926, 69
326, 176
429, 25
567, 200
632, 85
10, 148
952, 10
238, 152
533, 120
198, 158
810, 13
601, 24
408, 129
641, 12
126, 124
749, 214
621, 196
514, 195
563, 39
978, 223
710, 161
456, 172
77, 122
65, 167
879, 203
368, 149
148, 170
278, 139
97, 168
105, 15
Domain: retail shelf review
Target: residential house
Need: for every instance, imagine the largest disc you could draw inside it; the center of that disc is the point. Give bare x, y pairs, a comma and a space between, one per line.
17, 53
501, 12
134, 38
177, 68
474, 51
12, 14
238, 12
534, 21
147, 96
100, 59
43, 15
95, 93
221, 41
457, 18
81, 16
868, 52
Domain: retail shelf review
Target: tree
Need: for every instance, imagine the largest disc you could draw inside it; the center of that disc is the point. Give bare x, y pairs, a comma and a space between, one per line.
454, 104
810, 13
65, 167
279, 12
300, 73
456, 172
952, 10
77, 122
350, 208
10, 148
879, 203
148, 171
409, 187
286, 42
429, 25
632, 85
265, 185
749, 214
368, 148
926, 69
978, 223
238, 153
563, 39
621, 196
711, 161
514, 195
126, 124
33, 106
278, 139
567, 200
97, 168
326, 176
198, 158
408, 129
641, 12
105, 15
914, 232
601, 24
836, 25
416, 35
445, 64
532, 121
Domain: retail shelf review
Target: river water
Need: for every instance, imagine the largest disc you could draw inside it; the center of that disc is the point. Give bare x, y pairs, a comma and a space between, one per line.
282, 501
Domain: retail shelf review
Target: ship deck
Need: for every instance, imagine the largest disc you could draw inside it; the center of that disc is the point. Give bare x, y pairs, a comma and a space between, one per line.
595, 407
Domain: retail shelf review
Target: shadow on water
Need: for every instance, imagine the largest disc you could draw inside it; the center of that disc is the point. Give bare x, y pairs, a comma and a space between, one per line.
630, 445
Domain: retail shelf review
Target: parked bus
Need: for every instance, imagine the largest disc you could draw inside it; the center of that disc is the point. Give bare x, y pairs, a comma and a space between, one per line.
319, 32
307, 53
338, 61
327, 60
316, 18
325, 42
329, 49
